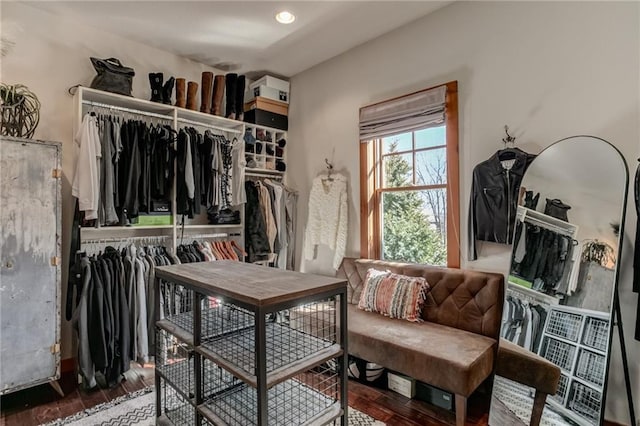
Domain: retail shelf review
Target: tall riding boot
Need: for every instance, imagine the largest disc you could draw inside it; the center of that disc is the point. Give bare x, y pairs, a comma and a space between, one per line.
155, 80
192, 95
240, 98
231, 80
167, 89
205, 91
218, 93
181, 92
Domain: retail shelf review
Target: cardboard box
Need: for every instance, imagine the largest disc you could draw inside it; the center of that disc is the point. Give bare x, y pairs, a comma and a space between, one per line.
270, 81
269, 92
267, 104
267, 118
402, 384
153, 219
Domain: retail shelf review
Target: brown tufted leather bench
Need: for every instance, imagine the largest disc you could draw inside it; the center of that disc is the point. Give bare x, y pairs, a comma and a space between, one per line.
453, 349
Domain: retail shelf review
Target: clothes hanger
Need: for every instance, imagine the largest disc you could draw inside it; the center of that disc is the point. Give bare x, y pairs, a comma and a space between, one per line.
508, 152
329, 170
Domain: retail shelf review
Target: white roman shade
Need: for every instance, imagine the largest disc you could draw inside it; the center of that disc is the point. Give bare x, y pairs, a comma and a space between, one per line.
404, 114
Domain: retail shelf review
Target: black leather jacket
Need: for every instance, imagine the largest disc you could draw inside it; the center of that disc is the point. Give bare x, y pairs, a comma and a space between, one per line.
494, 200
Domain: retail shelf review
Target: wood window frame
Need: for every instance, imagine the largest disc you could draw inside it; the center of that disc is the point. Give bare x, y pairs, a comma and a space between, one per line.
370, 221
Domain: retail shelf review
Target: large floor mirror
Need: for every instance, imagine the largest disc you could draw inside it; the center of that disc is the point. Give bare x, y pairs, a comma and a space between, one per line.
557, 316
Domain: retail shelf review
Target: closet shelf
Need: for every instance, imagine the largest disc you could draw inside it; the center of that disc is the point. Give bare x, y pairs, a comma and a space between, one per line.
542, 219
213, 226
89, 95
200, 118
171, 112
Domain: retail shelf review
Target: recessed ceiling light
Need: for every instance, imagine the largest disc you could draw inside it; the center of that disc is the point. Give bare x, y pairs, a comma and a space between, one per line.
285, 17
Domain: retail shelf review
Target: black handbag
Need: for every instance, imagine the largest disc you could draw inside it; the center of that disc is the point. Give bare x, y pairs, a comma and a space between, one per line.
112, 76
556, 208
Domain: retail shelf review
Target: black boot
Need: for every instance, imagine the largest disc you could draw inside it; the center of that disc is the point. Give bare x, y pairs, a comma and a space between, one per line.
240, 98
231, 80
167, 90
155, 79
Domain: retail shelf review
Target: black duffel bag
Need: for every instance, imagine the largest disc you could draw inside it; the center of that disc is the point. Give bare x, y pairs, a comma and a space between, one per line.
556, 208
112, 76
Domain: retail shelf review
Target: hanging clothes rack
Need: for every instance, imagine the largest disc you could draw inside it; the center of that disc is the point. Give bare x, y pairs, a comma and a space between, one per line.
207, 126
150, 238
128, 110
550, 227
531, 296
547, 222
249, 173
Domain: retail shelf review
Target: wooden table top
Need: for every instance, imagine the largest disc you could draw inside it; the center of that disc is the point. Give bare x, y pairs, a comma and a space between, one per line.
253, 284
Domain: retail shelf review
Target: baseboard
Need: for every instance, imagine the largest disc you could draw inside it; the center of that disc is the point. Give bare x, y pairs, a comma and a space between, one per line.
610, 423
68, 365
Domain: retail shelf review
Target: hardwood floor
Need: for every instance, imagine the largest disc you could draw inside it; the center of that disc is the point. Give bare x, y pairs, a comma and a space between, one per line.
42, 404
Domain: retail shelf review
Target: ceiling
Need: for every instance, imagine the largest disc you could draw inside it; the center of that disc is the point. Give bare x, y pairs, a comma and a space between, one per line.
243, 36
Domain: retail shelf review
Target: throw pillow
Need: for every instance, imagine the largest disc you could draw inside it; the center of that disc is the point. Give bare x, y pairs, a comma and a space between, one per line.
394, 295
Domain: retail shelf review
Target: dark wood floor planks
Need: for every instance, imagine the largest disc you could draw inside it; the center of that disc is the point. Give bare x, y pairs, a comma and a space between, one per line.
31, 407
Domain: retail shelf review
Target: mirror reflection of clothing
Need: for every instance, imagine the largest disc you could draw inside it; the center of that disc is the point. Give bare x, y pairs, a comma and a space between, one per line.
494, 199
542, 258
523, 323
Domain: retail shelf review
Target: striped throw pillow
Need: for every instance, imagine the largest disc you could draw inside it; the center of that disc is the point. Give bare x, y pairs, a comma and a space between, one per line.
394, 295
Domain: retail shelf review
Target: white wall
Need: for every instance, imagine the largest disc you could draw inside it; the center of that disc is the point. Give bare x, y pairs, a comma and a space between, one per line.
52, 54
548, 70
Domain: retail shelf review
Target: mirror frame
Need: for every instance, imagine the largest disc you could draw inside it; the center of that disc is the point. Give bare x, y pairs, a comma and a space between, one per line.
615, 304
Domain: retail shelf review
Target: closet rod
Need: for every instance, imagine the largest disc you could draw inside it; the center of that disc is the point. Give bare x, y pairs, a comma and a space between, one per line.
129, 110
154, 238
523, 294
209, 126
216, 235
264, 175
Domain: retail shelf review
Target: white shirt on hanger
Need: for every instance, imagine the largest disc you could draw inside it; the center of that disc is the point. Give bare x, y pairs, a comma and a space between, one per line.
86, 179
327, 221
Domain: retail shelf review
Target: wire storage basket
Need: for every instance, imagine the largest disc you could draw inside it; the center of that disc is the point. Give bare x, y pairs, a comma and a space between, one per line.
293, 402
175, 406
177, 305
585, 401
558, 352
596, 333
564, 324
291, 335
591, 367
561, 394
174, 361
216, 380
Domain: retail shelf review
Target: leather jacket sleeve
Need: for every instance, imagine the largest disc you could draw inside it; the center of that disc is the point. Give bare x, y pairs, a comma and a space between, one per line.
472, 229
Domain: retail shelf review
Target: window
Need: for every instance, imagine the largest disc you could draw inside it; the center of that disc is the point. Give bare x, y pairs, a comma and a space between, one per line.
409, 191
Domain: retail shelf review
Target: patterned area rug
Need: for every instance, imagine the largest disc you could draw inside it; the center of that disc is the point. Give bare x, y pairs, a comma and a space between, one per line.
517, 399
139, 408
